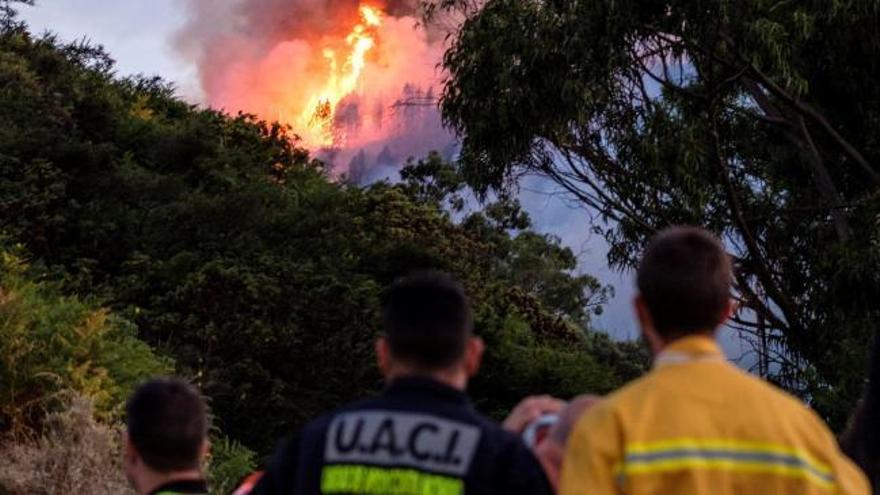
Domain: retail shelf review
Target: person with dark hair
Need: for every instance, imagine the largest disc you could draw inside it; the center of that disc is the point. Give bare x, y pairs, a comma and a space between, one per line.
861, 439
421, 435
166, 438
697, 424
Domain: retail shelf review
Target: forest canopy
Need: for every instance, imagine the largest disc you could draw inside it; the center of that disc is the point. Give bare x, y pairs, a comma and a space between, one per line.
216, 246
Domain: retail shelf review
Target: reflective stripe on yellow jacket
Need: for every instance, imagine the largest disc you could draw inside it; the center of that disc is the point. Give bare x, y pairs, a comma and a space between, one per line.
696, 424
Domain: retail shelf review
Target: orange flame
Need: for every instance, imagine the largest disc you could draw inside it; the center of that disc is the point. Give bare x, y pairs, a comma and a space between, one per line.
316, 122
339, 75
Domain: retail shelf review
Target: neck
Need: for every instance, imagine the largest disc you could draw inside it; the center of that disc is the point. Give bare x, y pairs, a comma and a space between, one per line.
455, 377
658, 344
150, 480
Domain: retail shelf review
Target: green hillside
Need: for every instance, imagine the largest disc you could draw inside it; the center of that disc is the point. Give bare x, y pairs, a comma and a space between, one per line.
219, 249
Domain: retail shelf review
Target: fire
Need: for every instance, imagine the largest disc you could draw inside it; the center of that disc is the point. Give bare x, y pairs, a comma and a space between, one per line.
315, 124
355, 81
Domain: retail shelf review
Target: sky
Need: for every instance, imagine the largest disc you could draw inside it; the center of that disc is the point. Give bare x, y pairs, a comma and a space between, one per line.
138, 34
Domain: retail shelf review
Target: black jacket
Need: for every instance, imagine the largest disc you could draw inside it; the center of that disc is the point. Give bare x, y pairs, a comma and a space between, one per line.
418, 437
182, 488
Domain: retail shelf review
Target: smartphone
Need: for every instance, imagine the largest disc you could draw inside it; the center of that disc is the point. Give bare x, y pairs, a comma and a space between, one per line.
537, 430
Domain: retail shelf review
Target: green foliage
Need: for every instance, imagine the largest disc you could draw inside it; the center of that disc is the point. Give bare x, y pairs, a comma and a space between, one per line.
234, 253
534, 262
51, 344
532, 356
758, 120
230, 462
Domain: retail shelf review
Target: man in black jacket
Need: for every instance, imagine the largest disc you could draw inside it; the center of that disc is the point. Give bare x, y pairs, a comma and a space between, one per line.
166, 439
861, 440
421, 436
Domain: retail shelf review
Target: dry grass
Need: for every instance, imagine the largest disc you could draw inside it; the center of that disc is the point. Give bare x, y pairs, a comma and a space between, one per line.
76, 455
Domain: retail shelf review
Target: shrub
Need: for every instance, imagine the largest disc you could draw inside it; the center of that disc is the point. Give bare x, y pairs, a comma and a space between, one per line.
77, 454
230, 462
51, 344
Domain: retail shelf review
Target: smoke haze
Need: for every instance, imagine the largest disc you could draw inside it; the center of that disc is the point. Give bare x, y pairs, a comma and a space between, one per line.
270, 58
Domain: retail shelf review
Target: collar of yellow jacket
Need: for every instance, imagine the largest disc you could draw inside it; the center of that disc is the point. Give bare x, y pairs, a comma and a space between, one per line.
689, 349
695, 345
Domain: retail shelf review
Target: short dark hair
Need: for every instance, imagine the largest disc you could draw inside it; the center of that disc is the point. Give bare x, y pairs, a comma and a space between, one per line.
427, 320
685, 279
167, 423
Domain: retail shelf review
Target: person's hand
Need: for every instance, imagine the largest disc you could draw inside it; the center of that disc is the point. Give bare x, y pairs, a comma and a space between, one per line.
530, 409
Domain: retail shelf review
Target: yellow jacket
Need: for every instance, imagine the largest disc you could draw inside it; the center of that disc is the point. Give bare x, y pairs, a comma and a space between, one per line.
696, 424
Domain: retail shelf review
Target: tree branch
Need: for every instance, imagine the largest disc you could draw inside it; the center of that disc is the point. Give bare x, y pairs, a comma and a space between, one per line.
762, 271
810, 112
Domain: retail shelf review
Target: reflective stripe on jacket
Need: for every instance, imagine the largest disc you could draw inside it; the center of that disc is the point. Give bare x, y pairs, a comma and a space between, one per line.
696, 424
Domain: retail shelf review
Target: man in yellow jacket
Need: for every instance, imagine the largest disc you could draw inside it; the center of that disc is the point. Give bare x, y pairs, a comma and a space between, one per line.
696, 424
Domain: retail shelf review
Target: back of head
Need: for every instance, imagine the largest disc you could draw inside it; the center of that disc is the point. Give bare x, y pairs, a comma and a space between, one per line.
167, 424
685, 279
427, 320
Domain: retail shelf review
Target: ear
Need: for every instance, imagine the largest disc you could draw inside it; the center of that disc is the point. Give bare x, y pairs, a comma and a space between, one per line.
383, 356
206, 449
132, 466
729, 311
473, 356
646, 322
129, 452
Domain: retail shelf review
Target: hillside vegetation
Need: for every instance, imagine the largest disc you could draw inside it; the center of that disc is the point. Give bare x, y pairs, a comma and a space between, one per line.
144, 235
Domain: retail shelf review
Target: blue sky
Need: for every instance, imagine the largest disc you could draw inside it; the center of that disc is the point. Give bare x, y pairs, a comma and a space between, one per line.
138, 33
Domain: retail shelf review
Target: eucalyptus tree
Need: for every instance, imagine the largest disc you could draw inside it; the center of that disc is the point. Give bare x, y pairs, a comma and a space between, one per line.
757, 119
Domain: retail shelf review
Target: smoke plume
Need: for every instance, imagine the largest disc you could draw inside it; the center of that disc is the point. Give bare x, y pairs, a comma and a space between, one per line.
293, 60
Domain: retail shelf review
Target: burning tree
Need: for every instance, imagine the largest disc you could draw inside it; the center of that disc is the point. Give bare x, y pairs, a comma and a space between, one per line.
328, 69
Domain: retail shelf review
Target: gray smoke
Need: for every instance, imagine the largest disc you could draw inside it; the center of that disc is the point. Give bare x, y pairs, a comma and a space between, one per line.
394, 117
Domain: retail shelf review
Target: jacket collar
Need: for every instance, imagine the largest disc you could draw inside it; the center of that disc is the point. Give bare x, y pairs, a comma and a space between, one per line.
410, 386
692, 348
182, 487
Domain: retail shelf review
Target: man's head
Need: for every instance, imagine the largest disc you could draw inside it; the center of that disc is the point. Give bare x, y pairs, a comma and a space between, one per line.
684, 282
428, 328
166, 433
551, 451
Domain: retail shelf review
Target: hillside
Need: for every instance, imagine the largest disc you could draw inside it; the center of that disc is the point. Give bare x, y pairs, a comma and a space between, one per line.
180, 238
